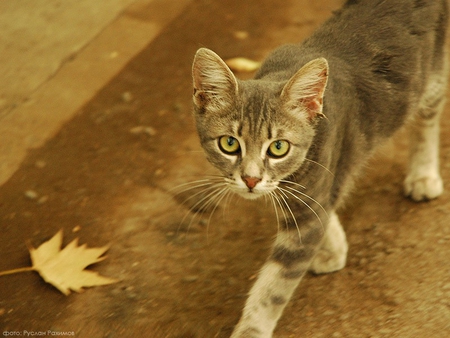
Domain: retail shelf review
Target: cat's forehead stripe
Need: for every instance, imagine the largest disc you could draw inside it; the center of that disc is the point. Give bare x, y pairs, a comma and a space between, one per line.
269, 131
239, 130
257, 116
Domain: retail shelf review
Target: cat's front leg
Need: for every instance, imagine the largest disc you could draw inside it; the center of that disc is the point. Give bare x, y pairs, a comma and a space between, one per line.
332, 254
291, 257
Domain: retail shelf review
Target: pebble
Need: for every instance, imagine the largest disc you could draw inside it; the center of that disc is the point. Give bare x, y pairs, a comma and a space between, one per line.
190, 279
345, 316
40, 164
43, 199
127, 97
363, 261
178, 107
31, 194
241, 35
143, 130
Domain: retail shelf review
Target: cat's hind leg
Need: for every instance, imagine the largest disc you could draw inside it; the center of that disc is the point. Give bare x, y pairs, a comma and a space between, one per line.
423, 181
332, 254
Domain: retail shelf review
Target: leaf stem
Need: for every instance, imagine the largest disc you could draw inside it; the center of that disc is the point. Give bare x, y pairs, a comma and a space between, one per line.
10, 272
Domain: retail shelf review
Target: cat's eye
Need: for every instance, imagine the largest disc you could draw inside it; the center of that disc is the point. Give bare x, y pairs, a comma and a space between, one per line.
229, 145
278, 149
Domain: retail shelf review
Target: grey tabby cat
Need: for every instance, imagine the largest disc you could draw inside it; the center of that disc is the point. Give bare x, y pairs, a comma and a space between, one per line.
302, 129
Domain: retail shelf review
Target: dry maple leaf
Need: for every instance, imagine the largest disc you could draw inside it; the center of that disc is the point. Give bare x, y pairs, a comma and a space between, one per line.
64, 269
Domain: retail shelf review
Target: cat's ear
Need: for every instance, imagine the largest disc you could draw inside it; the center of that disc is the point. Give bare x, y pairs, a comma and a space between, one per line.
304, 91
215, 86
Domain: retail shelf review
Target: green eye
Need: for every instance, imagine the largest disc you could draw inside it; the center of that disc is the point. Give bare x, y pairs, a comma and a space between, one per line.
278, 149
229, 145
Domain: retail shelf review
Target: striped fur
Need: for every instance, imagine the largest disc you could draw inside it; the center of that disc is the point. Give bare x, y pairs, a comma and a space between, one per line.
372, 67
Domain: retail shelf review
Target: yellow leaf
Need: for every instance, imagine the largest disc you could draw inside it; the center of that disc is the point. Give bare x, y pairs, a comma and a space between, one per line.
241, 64
64, 268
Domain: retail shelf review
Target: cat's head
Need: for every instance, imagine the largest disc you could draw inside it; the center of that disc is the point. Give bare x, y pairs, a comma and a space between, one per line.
256, 132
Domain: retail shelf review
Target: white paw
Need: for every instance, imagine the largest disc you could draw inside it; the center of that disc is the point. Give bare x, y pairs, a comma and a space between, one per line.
423, 188
327, 261
332, 254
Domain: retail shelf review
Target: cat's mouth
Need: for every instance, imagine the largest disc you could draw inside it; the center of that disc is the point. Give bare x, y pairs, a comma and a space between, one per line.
251, 194
254, 192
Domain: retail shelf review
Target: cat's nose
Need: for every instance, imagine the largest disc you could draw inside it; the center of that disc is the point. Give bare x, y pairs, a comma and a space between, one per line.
251, 182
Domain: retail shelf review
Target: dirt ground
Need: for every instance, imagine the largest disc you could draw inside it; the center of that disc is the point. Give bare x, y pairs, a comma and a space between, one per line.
108, 177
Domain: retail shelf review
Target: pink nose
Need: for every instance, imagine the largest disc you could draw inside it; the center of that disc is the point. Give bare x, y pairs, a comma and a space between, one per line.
251, 182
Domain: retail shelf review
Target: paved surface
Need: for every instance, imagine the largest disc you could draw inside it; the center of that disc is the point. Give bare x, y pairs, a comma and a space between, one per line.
105, 134
39, 37
56, 55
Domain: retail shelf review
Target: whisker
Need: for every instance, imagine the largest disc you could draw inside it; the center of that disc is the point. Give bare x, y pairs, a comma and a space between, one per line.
216, 189
320, 165
290, 211
306, 204
282, 192
227, 201
277, 199
216, 200
309, 197
294, 183
272, 199
205, 202
210, 187
205, 181
194, 187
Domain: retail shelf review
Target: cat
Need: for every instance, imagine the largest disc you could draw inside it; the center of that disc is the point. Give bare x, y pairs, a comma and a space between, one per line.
303, 128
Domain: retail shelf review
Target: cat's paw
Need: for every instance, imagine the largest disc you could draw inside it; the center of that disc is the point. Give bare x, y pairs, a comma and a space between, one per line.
423, 188
243, 330
327, 261
332, 255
